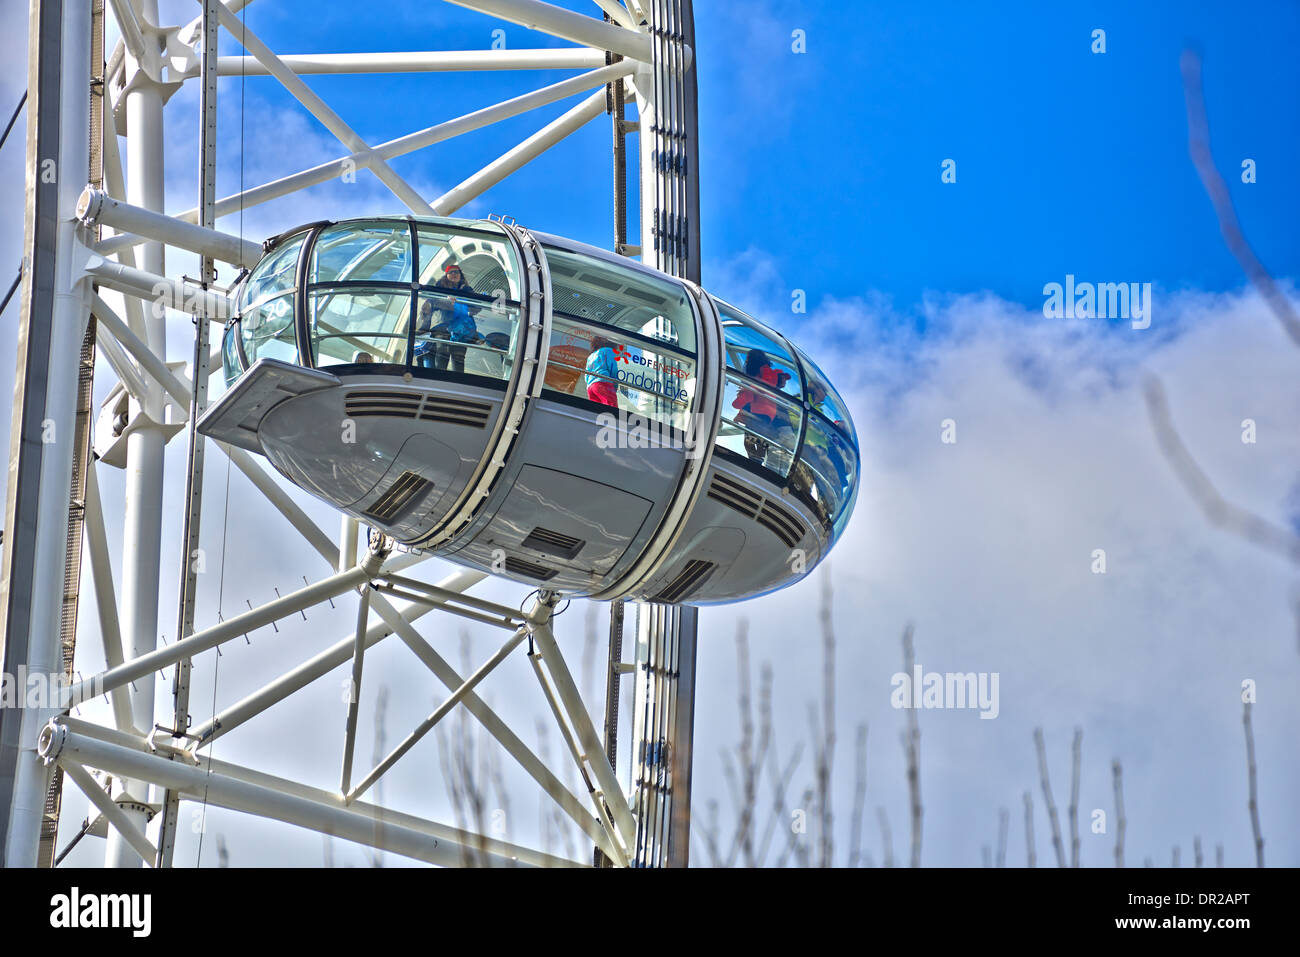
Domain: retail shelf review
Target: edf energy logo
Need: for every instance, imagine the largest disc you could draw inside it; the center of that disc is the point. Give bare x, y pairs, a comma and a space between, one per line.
651, 384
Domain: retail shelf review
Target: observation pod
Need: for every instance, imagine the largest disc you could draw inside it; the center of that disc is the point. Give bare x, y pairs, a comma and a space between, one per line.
538, 409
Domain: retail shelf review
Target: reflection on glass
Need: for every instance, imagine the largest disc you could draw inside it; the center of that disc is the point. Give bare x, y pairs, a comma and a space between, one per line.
267, 331
760, 424
464, 335
358, 325
615, 370
826, 474
822, 397
277, 272
585, 288
751, 347
470, 261
371, 252
230, 365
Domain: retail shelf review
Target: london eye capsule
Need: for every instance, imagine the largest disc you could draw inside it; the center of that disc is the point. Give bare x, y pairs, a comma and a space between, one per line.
538, 409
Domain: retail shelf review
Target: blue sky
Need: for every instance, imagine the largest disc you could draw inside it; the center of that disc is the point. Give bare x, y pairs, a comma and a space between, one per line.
821, 171
1067, 161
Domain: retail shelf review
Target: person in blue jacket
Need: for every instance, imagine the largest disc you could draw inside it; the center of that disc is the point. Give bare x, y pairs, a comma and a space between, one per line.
451, 322
602, 371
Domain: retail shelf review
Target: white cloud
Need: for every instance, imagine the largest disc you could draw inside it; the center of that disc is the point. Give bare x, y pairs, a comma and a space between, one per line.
987, 544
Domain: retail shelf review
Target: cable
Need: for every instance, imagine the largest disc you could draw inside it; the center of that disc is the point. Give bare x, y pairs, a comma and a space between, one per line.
10, 294
13, 119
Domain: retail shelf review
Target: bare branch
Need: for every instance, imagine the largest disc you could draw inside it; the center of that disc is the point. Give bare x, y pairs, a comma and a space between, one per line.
886, 837
1031, 858
1004, 819
1052, 817
1076, 751
793, 844
1254, 792
1198, 145
1117, 773
1197, 857
859, 796
825, 752
1217, 511
912, 750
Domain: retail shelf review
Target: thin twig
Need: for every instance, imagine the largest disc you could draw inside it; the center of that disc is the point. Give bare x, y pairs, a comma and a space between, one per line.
1076, 751
859, 796
912, 750
1052, 817
1004, 819
1254, 791
886, 838
1031, 858
1217, 510
1198, 145
825, 753
1117, 773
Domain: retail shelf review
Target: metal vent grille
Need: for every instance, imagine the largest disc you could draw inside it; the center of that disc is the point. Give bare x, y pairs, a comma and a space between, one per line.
695, 573
787, 527
456, 411
405, 404
767, 513
414, 405
735, 495
400, 498
520, 566
553, 542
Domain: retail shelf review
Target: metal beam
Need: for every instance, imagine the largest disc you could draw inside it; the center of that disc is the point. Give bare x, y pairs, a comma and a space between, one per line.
112, 813
96, 206
428, 61
145, 665
273, 798
315, 668
494, 725
559, 22
440, 712
318, 108
525, 152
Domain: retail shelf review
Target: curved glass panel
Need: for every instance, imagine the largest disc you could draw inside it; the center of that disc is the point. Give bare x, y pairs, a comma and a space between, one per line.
362, 252
276, 273
615, 369
485, 262
230, 365
825, 478
351, 325
465, 335
266, 331
760, 424
756, 351
585, 289
821, 396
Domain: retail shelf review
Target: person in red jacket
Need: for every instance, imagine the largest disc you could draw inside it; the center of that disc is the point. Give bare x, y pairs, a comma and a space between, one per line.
758, 412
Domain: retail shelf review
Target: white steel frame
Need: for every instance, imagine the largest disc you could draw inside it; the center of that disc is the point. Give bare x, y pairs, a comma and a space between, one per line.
149, 63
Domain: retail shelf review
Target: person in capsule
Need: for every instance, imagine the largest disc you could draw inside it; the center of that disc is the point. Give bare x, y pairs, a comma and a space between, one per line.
602, 370
445, 321
758, 413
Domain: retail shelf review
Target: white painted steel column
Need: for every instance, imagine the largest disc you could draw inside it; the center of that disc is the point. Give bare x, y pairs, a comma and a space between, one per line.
67, 318
142, 521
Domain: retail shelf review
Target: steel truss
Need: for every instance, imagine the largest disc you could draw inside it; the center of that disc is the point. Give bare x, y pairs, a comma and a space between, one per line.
55, 510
